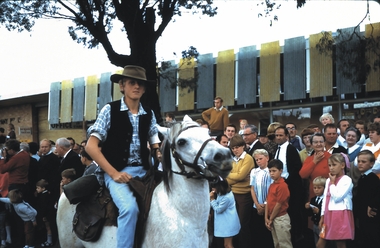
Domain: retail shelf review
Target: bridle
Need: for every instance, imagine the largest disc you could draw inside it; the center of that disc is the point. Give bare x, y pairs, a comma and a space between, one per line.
201, 171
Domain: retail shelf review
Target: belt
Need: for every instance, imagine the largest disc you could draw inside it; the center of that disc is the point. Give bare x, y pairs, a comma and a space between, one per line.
135, 164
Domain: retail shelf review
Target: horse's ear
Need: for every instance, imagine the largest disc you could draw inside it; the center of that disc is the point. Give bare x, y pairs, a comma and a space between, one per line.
163, 130
187, 118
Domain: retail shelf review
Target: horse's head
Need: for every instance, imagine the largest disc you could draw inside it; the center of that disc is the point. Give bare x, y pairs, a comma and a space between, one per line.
190, 151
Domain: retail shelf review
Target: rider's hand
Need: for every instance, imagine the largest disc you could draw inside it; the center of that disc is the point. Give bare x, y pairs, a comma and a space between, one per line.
121, 177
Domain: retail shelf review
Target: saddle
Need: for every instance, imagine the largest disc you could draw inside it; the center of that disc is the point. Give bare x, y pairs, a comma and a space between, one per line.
97, 209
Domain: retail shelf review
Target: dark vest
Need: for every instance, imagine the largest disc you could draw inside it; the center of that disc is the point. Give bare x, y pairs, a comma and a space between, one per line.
116, 147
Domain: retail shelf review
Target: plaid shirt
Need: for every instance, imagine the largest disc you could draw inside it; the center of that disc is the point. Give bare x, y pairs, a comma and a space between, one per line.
103, 123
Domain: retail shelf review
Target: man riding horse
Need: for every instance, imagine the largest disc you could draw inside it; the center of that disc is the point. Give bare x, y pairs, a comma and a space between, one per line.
122, 129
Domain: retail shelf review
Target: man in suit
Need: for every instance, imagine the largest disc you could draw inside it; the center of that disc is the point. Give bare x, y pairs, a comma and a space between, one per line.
69, 158
250, 133
289, 156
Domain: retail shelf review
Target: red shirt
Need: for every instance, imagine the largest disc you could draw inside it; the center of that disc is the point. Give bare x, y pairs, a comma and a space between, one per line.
278, 192
17, 167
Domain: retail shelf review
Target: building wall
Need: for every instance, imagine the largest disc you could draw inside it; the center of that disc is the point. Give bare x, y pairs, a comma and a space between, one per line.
21, 117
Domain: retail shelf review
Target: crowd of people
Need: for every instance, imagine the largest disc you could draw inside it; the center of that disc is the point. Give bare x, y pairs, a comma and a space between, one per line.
331, 175
281, 185
31, 181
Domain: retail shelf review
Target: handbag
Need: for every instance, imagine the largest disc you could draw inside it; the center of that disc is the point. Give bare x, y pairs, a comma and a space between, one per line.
81, 189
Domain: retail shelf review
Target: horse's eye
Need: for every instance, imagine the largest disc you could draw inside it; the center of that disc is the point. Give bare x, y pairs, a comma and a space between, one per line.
181, 142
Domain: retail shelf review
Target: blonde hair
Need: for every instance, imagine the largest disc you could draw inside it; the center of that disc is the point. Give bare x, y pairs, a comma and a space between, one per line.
260, 152
327, 115
272, 127
319, 181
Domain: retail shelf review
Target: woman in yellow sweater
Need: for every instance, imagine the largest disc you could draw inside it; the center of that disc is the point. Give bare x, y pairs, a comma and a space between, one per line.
238, 179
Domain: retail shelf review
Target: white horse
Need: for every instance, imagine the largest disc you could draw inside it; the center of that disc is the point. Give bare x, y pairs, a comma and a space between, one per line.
180, 204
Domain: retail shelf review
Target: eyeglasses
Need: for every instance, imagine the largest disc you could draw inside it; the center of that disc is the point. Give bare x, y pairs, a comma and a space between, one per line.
291, 128
246, 134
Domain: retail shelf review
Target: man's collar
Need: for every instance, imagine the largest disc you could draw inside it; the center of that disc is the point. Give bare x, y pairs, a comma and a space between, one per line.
253, 143
219, 109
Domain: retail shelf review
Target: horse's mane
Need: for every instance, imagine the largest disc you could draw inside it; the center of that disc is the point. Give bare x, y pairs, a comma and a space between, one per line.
166, 161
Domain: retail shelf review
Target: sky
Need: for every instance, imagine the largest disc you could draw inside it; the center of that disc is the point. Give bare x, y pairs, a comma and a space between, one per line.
30, 62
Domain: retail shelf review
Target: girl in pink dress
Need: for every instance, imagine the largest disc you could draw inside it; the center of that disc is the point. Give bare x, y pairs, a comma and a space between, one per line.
336, 216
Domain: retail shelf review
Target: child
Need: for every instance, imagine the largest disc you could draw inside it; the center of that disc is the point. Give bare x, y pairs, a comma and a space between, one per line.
315, 204
26, 213
260, 182
276, 217
68, 176
224, 212
44, 209
336, 215
366, 202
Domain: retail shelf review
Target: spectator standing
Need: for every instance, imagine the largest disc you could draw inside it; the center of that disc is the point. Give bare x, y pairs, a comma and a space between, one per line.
271, 146
87, 161
305, 136
314, 207
217, 117
69, 158
222, 202
251, 141
352, 137
263, 136
337, 222
11, 131
238, 179
16, 163
343, 124
294, 139
242, 124
276, 217
230, 131
45, 210
3, 137
260, 181
292, 164
367, 202
331, 144
316, 164
222, 139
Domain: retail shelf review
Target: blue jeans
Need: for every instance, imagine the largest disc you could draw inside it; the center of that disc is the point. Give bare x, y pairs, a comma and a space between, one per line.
125, 201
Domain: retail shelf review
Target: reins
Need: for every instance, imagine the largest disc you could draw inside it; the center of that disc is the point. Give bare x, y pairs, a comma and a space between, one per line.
198, 174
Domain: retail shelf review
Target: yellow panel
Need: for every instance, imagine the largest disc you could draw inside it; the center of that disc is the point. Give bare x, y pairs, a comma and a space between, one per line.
270, 72
225, 77
186, 97
116, 95
373, 80
321, 69
66, 101
91, 96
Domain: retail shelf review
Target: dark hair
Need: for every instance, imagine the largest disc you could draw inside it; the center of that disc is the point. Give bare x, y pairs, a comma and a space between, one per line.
356, 131
70, 138
295, 126
230, 125
69, 173
374, 117
360, 122
374, 127
2, 130
369, 154
276, 163
15, 196
286, 132
319, 135
170, 115
13, 144
219, 137
330, 125
33, 147
222, 186
313, 126
83, 153
42, 183
349, 123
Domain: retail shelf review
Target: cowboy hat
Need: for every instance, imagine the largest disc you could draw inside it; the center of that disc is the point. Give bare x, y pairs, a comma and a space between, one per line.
131, 71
